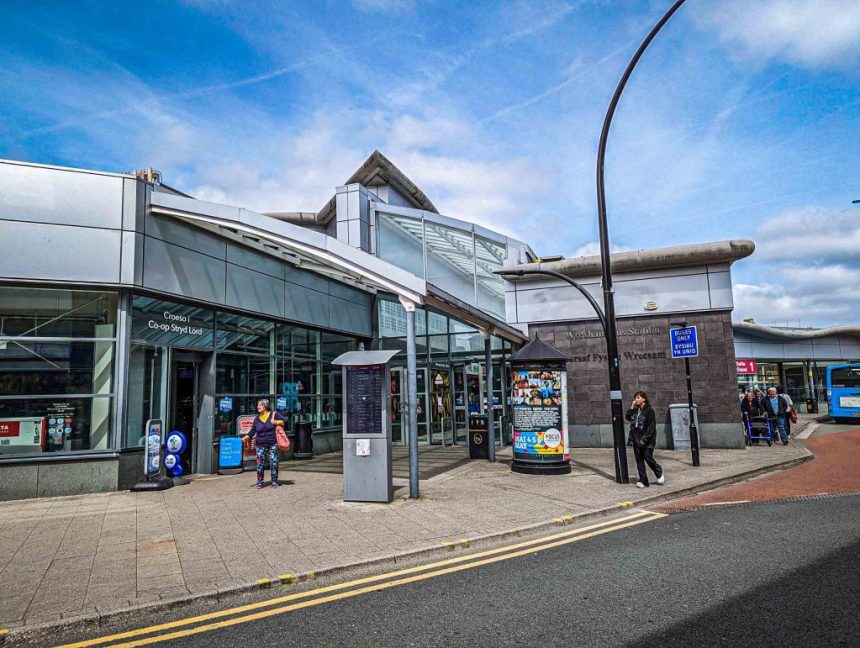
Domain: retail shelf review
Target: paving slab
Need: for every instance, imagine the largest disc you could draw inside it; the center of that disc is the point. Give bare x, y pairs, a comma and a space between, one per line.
220, 535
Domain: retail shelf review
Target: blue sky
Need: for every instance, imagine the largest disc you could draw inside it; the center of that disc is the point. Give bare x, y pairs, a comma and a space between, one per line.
741, 121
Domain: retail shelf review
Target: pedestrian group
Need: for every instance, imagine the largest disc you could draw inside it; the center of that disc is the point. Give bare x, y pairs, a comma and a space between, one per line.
776, 406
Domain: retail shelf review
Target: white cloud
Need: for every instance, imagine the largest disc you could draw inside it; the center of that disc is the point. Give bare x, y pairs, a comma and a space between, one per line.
592, 248
811, 277
808, 33
815, 235
495, 194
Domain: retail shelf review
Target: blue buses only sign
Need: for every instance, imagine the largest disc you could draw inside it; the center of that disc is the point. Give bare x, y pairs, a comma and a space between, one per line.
684, 342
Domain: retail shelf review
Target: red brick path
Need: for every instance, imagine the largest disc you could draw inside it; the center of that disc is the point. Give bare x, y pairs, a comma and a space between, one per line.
835, 469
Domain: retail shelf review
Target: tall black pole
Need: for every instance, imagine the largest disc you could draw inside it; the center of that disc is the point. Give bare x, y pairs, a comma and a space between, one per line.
621, 475
694, 430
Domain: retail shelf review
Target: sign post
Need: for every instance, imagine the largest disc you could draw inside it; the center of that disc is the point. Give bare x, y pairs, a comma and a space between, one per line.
685, 344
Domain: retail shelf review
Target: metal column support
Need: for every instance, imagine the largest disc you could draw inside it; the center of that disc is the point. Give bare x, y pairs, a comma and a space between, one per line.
491, 425
411, 396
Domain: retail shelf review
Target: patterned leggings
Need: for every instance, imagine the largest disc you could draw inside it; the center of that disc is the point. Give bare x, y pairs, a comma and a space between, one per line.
272, 451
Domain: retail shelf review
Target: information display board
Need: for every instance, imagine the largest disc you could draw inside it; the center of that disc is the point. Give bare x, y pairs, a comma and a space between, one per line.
364, 405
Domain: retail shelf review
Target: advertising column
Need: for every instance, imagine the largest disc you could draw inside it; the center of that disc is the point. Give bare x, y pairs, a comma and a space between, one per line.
539, 399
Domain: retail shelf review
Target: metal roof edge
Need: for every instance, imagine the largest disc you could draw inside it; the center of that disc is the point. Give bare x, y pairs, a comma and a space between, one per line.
668, 257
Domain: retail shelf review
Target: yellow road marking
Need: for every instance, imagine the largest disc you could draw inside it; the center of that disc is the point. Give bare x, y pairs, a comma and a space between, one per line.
596, 529
376, 588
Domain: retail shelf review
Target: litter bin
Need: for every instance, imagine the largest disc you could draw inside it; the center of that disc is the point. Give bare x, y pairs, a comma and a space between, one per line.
679, 414
811, 406
479, 438
304, 441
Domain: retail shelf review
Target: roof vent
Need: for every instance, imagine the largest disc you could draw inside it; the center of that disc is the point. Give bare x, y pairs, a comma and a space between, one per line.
148, 175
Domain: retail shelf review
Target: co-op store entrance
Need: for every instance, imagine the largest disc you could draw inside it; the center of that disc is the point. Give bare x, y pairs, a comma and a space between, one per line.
174, 389
446, 396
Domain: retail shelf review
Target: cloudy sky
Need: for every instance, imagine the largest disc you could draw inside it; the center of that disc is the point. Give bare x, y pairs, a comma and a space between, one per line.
741, 121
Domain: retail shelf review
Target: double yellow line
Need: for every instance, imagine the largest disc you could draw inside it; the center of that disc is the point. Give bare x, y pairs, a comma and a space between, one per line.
272, 607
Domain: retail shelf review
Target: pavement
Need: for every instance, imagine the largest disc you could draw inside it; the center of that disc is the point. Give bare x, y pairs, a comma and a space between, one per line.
86, 559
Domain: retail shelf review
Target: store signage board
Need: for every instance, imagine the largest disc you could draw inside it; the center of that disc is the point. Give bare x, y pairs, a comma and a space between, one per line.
684, 342
364, 404
244, 424
746, 367
152, 451
230, 452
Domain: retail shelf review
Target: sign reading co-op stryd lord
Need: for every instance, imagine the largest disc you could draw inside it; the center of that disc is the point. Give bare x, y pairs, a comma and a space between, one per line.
162, 322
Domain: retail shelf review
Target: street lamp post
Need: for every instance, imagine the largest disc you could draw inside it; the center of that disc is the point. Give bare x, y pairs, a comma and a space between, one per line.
606, 270
621, 473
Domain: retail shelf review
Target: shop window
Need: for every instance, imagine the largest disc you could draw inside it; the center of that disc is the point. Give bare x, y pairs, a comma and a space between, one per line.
242, 374
56, 370
144, 399
248, 334
42, 312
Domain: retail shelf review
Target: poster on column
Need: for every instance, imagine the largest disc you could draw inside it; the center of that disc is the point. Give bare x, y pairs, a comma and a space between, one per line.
539, 398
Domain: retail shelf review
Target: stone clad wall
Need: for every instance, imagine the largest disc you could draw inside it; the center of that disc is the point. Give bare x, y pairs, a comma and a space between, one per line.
647, 364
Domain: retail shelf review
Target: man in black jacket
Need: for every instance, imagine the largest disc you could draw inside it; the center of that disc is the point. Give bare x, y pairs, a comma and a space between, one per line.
776, 409
643, 437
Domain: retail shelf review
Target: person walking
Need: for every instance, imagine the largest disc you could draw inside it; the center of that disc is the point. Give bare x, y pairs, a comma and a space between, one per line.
751, 407
265, 439
776, 409
643, 436
780, 390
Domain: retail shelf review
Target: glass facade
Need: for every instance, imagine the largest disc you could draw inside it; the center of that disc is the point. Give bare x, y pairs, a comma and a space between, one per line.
456, 260
57, 352
255, 358
451, 372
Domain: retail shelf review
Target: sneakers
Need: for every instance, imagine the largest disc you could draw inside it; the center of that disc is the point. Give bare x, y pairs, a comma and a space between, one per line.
661, 479
274, 484
640, 485
259, 485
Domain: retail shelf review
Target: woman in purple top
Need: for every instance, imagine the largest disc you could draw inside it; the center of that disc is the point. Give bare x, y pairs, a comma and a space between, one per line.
266, 441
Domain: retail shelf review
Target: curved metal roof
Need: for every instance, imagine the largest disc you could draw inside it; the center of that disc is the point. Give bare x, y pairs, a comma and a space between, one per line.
651, 259
773, 333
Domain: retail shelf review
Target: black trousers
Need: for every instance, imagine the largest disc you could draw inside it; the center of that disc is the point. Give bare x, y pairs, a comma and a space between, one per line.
646, 456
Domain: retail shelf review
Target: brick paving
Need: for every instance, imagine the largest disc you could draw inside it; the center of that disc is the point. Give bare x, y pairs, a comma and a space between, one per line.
87, 555
836, 469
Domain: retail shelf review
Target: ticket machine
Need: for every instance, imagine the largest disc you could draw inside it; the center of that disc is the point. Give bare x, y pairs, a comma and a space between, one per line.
367, 475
